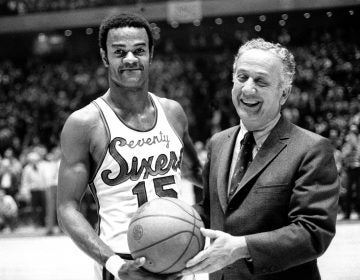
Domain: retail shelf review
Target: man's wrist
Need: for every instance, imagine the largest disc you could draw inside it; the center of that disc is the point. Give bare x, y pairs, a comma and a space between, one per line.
241, 250
114, 264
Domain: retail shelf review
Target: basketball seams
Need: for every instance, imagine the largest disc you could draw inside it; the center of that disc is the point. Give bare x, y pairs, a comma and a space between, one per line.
166, 216
187, 246
162, 240
180, 206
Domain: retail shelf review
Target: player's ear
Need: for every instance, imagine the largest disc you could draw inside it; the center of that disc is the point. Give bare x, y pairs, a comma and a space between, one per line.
104, 58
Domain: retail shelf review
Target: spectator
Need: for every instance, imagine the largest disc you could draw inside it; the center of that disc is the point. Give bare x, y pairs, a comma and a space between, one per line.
351, 158
51, 170
8, 211
33, 185
9, 180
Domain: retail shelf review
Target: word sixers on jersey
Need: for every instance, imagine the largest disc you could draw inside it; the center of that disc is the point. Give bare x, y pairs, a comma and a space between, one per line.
163, 163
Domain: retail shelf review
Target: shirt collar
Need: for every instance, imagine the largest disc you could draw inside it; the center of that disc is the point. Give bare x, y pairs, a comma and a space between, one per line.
260, 135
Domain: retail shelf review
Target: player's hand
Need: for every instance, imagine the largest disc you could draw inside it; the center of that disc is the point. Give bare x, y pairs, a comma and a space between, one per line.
132, 270
224, 249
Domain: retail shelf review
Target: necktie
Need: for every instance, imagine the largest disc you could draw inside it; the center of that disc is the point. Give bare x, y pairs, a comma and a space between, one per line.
243, 161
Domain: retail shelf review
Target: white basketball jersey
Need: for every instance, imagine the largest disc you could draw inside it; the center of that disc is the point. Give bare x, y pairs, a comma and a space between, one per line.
138, 166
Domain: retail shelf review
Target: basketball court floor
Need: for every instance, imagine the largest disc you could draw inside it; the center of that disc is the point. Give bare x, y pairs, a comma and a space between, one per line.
36, 257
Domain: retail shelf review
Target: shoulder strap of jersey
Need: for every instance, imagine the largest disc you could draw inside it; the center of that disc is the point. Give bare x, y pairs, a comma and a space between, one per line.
161, 116
111, 120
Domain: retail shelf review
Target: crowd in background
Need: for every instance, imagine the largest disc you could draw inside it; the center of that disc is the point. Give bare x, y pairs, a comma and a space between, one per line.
11, 7
36, 98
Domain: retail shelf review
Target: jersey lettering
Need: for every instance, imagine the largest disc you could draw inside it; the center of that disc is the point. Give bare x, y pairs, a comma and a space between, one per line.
162, 165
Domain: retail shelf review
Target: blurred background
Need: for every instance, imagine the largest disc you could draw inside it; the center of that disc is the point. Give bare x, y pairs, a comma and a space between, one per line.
50, 66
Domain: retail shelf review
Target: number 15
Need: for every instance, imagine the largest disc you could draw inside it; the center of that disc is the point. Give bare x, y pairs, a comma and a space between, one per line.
159, 184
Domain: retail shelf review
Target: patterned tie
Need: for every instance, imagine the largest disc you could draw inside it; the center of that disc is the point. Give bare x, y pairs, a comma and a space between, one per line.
243, 161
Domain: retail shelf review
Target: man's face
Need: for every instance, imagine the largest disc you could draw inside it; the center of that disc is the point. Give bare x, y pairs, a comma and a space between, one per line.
257, 94
128, 56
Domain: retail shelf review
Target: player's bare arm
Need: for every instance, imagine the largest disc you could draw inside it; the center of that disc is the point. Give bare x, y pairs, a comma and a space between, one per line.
73, 179
79, 147
191, 167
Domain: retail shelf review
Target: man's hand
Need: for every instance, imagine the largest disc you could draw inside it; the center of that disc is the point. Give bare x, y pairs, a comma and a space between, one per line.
223, 250
132, 270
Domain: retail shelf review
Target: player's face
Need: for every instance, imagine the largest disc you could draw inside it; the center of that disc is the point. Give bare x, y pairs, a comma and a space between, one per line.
257, 93
128, 57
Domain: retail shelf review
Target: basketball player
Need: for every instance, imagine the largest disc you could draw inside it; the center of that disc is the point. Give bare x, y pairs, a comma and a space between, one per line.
127, 146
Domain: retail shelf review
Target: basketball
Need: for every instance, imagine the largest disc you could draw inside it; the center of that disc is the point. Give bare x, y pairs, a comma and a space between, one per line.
166, 231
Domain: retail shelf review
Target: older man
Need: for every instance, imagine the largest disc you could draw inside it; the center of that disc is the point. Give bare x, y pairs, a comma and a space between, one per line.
270, 187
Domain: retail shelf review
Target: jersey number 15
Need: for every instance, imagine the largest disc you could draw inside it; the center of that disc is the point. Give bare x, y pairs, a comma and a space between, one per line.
140, 191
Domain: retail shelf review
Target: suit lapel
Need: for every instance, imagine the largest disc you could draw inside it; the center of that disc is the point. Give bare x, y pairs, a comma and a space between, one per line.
224, 164
276, 141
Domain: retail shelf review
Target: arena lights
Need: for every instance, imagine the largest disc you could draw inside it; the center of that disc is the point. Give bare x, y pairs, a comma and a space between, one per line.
68, 33
196, 22
218, 21
174, 24
262, 18
89, 31
307, 15
42, 37
282, 22
284, 16
240, 19
257, 28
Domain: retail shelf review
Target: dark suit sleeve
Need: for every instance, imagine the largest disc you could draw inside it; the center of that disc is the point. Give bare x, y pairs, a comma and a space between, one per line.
312, 216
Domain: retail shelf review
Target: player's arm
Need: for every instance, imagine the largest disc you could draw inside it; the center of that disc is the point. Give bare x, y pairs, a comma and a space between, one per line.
73, 179
191, 167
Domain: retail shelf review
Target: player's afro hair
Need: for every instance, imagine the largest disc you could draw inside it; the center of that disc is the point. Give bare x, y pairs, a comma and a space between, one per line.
123, 20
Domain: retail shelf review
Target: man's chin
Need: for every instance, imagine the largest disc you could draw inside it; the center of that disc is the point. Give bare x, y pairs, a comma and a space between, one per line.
251, 123
130, 83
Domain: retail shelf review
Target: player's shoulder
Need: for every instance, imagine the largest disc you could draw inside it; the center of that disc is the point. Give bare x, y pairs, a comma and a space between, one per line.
173, 109
82, 119
170, 104
84, 116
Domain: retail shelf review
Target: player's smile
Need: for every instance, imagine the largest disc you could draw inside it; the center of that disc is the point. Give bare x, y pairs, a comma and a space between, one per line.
137, 69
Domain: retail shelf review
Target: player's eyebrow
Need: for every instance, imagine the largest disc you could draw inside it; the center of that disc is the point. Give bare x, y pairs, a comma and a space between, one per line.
121, 45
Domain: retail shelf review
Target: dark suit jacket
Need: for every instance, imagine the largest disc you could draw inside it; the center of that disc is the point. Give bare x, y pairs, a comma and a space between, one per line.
286, 206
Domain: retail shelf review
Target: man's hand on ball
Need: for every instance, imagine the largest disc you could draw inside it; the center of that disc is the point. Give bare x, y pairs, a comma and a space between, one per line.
224, 249
132, 270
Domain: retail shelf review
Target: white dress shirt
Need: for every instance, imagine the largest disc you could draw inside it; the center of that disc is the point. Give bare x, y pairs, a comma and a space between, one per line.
259, 136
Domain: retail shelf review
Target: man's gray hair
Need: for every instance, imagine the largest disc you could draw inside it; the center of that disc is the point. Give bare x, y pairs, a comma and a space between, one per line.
280, 51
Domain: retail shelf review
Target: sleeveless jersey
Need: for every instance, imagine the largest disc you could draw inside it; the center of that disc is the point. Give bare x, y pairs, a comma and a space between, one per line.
138, 166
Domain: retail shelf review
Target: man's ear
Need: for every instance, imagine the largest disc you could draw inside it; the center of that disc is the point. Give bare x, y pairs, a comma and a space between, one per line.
104, 58
285, 94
